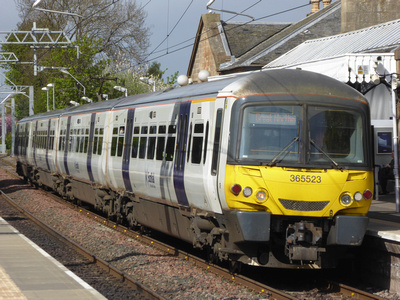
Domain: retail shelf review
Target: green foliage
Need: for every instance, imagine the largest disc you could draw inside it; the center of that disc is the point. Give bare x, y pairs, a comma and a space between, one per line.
155, 70
8, 140
173, 79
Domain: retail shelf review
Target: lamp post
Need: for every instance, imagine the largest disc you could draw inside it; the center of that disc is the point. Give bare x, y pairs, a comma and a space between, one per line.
122, 89
149, 81
66, 72
74, 103
51, 85
47, 92
87, 99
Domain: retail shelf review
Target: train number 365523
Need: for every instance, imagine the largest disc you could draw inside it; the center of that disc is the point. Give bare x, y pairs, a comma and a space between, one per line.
305, 178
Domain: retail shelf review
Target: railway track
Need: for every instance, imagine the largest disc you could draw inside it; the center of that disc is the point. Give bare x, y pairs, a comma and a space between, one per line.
259, 289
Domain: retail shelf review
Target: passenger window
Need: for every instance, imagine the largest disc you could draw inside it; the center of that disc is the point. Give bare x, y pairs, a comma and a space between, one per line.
169, 149
120, 145
86, 144
160, 148
205, 144
114, 145
95, 145
171, 129
217, 135
135, 144
197, 143
100, 146
197, 149
76, 143
81, 144
190, 142
142, 147
151, 147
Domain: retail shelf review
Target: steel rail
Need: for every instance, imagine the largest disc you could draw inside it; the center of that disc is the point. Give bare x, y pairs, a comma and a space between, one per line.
147, 292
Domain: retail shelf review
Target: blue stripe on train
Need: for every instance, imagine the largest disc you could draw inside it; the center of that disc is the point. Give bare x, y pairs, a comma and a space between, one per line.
179, 165
47, 146
66, 146
90, 148
127, 150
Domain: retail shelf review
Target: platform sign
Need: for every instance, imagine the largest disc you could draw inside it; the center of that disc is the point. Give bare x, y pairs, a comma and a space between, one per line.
363, 70
384, 142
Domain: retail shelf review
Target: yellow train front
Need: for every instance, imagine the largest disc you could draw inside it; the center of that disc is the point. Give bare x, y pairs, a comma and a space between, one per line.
298, 179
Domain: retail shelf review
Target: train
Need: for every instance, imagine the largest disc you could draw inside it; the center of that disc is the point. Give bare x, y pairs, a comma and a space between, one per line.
269, 169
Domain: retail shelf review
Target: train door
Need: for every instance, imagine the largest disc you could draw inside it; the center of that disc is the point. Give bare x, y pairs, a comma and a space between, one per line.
166, 148
180, 153
218, 153
196, 168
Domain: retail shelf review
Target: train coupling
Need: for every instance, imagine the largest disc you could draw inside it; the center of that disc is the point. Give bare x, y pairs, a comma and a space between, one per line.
302, 240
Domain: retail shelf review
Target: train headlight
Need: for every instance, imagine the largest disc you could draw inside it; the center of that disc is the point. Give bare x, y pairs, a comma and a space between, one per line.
358, 196
367, 194
261, 196
236, 189
247, 191
346, 199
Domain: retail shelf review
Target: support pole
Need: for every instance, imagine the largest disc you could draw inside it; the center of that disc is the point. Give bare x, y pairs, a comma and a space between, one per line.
395, 143
3, 129
12, 126
31, 91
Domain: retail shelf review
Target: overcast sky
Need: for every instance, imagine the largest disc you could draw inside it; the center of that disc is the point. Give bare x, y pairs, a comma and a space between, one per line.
163, 20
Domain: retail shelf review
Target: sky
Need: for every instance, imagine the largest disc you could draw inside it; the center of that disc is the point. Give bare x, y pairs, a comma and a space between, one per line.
173, 23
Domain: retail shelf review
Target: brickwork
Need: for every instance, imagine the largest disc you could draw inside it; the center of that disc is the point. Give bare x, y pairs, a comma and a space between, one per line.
358, 14
210, 52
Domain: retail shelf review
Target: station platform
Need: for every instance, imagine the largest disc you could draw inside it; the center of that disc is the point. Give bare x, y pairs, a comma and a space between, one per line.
28, 272
384, 221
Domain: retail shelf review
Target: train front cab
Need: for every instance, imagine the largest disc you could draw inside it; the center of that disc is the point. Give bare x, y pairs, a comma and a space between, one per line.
298, 180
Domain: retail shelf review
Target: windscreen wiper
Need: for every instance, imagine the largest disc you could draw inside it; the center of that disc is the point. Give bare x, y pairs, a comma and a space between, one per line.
273, 161
327, 155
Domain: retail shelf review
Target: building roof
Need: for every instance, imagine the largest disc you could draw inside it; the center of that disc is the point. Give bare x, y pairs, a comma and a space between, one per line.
242, 37
380, 38
322, 23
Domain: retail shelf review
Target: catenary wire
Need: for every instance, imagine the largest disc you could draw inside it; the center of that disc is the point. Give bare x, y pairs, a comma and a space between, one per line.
239, 25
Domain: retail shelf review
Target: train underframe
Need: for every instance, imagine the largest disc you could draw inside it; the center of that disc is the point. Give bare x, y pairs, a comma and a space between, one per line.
252, 238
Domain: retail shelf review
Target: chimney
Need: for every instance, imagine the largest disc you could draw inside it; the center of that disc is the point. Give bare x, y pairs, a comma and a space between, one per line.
326, 2
315, 6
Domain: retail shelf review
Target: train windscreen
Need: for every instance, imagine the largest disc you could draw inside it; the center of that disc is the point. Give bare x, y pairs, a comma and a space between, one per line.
276, 135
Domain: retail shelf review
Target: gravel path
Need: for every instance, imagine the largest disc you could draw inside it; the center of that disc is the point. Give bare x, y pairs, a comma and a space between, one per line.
170, 277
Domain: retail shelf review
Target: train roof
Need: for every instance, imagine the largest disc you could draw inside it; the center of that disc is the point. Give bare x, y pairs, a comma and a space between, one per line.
277, 81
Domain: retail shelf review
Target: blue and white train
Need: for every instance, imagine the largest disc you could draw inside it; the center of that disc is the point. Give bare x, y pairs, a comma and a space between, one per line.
268, 169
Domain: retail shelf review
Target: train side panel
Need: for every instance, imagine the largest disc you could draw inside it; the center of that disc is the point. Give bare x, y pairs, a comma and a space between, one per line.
200, 178
115, 142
